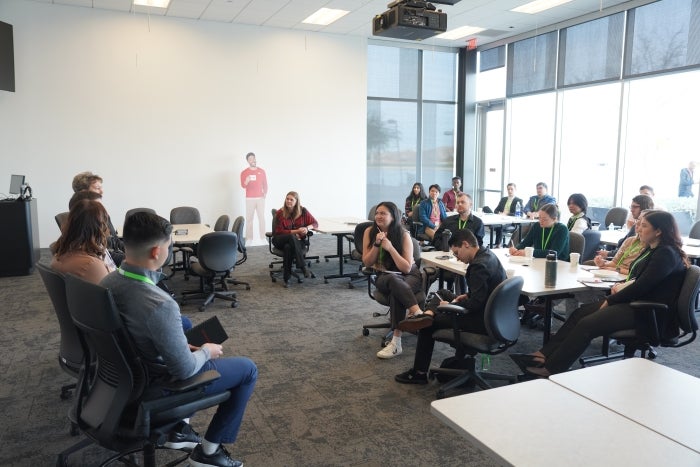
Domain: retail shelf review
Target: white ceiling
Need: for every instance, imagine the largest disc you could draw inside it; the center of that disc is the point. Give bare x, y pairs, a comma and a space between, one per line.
493, 15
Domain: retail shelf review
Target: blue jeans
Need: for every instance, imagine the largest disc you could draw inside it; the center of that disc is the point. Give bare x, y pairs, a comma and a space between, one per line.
238, 376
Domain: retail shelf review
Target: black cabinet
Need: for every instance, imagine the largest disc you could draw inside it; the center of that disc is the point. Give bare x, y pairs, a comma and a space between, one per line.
19, 237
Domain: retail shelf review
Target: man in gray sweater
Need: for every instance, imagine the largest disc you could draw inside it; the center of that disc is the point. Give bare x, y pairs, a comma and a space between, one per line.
152, 317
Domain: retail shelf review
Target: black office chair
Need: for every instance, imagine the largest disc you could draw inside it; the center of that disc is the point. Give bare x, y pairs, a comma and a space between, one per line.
239, 228
184, 215
356, 253
646, 335
416, 228
577, 243
616, 216
70, 353
274, 274
695, 231
118, 405
428, 275
61, 218
597, 215
591, 244
222, 223
503, 326
217, 253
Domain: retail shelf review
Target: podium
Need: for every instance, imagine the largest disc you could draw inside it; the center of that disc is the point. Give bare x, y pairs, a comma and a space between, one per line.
19, 237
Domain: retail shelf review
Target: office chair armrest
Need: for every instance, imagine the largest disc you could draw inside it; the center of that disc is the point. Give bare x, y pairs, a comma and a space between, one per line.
646, 321
193, 382
269, 234
453, 309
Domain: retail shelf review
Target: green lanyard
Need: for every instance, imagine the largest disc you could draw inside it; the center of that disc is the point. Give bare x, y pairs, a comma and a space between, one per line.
415, 202
535, 204
461, 226
637, 261
137, 277
544, 244
633, 248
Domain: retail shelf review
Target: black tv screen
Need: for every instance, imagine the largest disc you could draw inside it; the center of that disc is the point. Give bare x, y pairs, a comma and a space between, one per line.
7, 58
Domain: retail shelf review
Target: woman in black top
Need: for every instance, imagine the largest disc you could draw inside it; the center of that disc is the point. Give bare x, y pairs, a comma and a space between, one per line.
414, 198
656, 275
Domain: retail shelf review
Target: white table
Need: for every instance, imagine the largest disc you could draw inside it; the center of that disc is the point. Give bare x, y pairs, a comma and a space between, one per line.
193, 232
540, 423
338, 226
657, 397
501, 220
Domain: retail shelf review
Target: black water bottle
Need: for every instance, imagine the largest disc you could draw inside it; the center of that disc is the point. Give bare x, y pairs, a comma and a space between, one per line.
445, 240
550, 269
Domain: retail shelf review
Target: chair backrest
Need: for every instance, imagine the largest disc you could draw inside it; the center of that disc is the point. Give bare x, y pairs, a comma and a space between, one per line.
238, 228
359, 234
218, 251
695, 231
688, 300
577, 243
185, 215
597, 215
501, 313
617, 216
133, 211
103, 398
590, 248
684, 219
70, 353
61, 218
487, 210
370, 214
222, 223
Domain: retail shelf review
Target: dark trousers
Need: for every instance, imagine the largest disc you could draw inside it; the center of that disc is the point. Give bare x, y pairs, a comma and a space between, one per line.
293, 251
238, 376
401, 290
577, 332
472, 322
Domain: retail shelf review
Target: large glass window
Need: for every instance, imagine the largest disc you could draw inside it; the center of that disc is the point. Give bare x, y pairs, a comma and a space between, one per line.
411, 121
532, 64
664, 35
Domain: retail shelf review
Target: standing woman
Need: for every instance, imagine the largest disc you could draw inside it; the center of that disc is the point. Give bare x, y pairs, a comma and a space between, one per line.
578, 222
414, 198
656, 276
546, 235
388, 248
292, 229
81, 249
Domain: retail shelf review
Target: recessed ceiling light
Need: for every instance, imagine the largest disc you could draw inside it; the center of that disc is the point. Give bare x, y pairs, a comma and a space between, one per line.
153, 3
325, 16
539, 5
460, 32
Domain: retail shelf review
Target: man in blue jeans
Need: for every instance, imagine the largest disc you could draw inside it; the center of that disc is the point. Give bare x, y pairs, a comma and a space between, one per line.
152, 318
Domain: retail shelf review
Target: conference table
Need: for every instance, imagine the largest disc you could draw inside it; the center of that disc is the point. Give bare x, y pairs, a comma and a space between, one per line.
570, 277
339, 226
491, 220
189, 233
630, 412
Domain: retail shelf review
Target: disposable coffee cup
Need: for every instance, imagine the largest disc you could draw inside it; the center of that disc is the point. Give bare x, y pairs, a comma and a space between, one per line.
529, 251
510, 273
574, 258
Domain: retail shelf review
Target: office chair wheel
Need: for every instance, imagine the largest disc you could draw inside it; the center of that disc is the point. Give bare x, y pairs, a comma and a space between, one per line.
234, 304
247, 287
202, 308
274, 279
651, 355
350, 285
365, 332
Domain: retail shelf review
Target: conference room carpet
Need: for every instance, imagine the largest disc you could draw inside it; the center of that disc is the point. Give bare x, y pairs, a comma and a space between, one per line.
323, 397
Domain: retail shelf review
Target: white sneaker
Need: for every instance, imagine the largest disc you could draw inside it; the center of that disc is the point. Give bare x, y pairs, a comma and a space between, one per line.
391, 350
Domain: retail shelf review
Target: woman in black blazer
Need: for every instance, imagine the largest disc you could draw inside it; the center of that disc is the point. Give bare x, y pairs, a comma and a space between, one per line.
656, 275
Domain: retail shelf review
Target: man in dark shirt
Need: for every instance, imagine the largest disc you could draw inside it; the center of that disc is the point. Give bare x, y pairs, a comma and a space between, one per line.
464, 219
484, 273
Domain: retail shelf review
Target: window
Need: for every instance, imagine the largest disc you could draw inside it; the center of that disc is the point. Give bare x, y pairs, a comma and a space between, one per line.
532, 64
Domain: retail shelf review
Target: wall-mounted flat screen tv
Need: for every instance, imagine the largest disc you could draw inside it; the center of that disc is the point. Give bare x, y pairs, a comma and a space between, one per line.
7, 58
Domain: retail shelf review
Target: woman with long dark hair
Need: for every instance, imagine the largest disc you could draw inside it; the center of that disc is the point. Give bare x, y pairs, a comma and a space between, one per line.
81, 249
388, 248
414, 198
293, 223
656, 275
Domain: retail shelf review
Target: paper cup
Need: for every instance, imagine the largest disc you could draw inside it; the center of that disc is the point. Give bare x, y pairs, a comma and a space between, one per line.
529, 251
574, 258
510, 273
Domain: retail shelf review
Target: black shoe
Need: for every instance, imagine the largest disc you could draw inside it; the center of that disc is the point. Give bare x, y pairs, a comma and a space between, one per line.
220, 458
416, 322
183, 436
524, 360
411, 377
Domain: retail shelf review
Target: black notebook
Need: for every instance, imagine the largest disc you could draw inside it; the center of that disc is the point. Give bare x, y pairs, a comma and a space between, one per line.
207, 331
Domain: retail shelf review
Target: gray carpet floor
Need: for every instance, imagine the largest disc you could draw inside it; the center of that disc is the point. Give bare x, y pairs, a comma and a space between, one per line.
322, 398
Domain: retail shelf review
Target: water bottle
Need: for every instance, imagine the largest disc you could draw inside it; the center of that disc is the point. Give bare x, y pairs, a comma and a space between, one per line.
518, 210
445, 240
611, 226
485, 361
550, 269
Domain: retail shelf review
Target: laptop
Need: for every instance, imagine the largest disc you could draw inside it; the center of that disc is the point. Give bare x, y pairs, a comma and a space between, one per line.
207, 331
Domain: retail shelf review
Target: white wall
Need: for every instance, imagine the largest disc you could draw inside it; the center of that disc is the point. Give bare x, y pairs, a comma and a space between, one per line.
165, 111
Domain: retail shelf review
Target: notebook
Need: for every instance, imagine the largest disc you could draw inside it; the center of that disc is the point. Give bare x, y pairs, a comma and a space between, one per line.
206, 331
